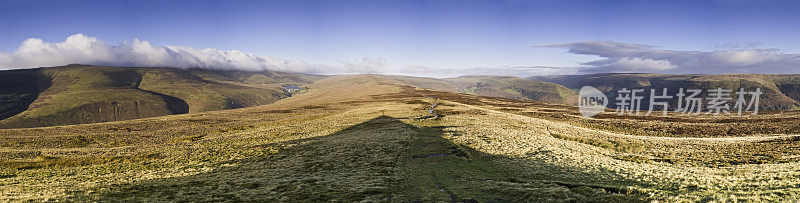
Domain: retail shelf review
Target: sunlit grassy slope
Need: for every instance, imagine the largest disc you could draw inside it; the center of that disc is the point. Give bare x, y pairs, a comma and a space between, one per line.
88, 94
496, 86
365, 138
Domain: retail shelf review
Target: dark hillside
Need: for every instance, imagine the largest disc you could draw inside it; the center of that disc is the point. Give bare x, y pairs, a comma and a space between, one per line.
77, 94
18, 89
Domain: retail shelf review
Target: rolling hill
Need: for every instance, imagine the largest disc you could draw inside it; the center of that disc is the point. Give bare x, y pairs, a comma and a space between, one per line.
780, 92
496, 86
88, 94
77, 94
364, 138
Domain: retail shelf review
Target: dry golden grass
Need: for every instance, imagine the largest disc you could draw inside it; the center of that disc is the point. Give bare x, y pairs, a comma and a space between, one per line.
353, 138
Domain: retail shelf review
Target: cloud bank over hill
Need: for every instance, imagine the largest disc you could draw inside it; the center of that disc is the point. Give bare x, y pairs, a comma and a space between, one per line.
84, 49
627, 57
618, 57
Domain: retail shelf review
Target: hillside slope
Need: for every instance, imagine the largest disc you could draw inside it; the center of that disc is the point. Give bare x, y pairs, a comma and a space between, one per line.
88, 94
780, 92
18, 88
496, 86
365, 138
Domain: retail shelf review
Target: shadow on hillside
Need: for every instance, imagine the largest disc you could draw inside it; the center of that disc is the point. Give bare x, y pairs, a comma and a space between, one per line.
18, 90
174, 104
383, 159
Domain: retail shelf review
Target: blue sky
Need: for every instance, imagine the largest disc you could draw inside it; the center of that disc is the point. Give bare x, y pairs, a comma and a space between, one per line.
436, 34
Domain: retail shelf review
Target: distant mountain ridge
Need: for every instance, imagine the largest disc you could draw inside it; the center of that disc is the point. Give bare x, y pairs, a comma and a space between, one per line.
496, 86
76, 94
780, 91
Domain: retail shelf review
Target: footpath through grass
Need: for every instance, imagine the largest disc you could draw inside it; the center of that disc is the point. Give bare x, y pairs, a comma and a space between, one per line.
383, 159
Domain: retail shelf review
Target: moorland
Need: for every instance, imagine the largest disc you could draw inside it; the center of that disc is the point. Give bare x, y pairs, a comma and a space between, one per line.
385, 138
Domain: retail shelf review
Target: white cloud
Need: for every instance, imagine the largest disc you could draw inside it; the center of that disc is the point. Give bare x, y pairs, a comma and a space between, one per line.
617, 57
84, 49
627, 57
746, 57
636, 64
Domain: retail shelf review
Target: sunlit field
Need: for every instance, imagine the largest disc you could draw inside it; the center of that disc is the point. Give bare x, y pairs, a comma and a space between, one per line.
399, 101
355, 138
